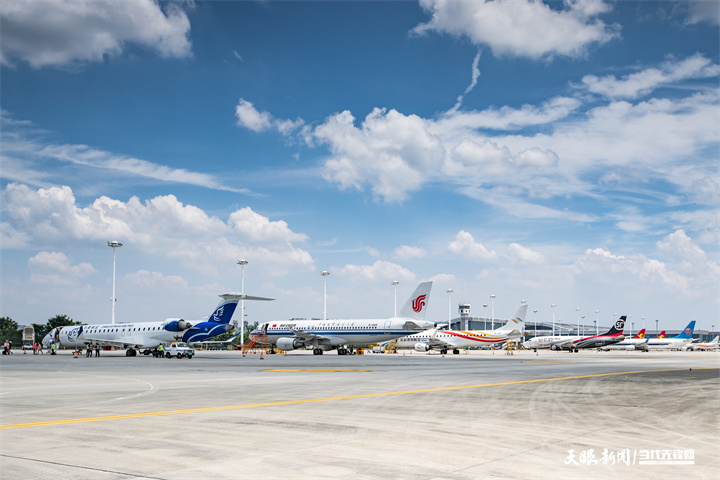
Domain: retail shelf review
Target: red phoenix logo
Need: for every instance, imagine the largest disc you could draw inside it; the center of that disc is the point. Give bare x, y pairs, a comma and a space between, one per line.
418, 303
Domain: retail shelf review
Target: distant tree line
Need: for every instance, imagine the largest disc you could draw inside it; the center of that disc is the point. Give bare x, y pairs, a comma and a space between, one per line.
10, 330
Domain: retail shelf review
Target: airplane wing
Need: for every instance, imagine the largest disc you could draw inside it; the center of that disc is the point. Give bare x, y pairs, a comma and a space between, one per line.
435, 342
117, 343
308, 338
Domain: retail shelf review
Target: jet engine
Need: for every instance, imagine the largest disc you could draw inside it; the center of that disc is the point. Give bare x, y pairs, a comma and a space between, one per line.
286, 344
176, 325
422, 347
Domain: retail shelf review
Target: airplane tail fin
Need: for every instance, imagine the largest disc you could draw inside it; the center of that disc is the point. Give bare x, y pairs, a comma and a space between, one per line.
687, 332
618, 327
417, 304
517, 322
641, 334
715, 340
662, 334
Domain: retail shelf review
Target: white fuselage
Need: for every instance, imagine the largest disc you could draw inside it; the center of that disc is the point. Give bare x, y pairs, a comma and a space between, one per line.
628, 344
341, 332
667, 343
127, 335
456, 338
549, 340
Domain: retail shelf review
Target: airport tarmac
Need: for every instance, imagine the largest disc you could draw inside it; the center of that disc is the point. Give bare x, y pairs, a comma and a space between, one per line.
551, 415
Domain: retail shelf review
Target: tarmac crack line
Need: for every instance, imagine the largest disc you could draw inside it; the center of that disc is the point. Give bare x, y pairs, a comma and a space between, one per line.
103, 470
326, 399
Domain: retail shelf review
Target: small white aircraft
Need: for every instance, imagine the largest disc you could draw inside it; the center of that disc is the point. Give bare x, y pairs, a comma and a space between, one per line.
713, 344
638, 342
149, 335
324, 335
443, 340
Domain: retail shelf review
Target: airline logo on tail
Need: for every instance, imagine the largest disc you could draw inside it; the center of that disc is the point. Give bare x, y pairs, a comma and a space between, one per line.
418, 303
620, 325
217, 316
688, 331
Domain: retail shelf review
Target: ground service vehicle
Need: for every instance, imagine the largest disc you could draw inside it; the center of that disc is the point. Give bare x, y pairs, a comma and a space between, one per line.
179, 350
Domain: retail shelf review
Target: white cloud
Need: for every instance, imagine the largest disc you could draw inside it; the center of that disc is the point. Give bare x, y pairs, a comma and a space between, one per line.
406, 252
55, 268
161, 226
704, 11
379, 271
689, 257
522, 28
390, 152
25, 156
518, 253
465, 246
641, 83
249, 117
52, 33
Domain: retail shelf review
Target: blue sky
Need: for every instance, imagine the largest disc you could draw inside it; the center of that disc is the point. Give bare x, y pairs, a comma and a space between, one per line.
562, 153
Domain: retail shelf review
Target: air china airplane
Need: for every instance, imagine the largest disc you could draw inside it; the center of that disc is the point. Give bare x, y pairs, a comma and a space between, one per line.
149, 335
676, 342
324, 335
574, 343
443, 340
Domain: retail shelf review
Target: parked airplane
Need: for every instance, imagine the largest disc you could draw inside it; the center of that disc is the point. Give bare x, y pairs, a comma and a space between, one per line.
149, 335
574, 343
713, 344
676, 342
324, 335
455, 339
638, 342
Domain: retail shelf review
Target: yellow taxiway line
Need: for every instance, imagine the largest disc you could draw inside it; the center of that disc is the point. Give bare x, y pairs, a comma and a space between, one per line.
327, 399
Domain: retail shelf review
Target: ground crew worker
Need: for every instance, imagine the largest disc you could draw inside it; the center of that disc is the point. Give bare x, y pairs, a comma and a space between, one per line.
161, 349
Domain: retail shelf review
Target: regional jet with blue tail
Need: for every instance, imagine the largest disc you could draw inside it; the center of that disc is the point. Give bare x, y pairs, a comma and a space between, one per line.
444, 340
325, 335
149, 335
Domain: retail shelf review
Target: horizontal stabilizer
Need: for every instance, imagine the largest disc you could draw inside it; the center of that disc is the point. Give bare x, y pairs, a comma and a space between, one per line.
242, 296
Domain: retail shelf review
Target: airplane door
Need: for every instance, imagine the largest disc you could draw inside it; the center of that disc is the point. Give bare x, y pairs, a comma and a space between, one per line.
387, 327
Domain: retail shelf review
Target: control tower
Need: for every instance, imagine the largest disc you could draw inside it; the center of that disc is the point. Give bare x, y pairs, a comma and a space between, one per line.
464, 309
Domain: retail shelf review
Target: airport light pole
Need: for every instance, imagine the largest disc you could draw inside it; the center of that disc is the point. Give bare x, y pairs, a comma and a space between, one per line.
492, 318
395, 284
583, 325
535, 312
114, 244
449, 292
577, 309
242, 264
657, 330
485, 316
631, 324
324, 273
596, 321
553, 310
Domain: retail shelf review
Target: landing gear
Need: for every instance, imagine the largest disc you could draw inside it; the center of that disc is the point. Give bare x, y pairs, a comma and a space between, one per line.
344, 351
456, 351
443, 351
317, 351
130, 352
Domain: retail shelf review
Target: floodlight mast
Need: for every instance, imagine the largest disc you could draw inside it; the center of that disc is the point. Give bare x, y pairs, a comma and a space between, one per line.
242, 264
324, 273
114, 244
395, 284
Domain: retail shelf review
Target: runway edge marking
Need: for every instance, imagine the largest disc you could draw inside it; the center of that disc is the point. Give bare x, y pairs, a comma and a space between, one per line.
327, 399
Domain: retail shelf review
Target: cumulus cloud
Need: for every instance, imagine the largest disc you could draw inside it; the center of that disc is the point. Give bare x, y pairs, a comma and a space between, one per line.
160, 226
465, 246
251, 118
55, 268
389, 152
51, 33
522, 28
641, 83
